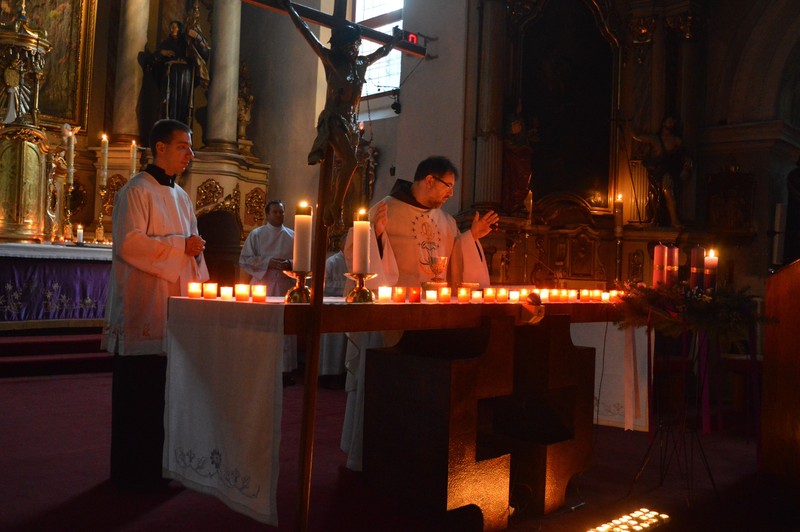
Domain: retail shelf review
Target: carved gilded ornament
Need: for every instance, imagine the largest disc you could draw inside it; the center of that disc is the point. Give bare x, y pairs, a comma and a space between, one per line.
642, 29
208, 193
255, 202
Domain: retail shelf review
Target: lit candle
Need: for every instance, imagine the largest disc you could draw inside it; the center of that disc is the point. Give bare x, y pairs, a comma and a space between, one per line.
134, 157
361, 242
614, 295
523, 293
605, 297
696, 265
573, 296
710, 270
259, 293
399, 294
431, 296
414, 293
210, 290
302, 238
226, 293
659, 265
242, 292
80, 234
477, 296
544, 295
597, 295
564, 295
104, 158
513, 296
585, 295
444, 294
384, 294
195, 290
555, 295
463, 295
618, 216
70, 157
502, 295
673, 258
488, 295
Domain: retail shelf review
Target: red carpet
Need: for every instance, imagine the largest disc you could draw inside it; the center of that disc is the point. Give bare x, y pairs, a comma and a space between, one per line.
54, 433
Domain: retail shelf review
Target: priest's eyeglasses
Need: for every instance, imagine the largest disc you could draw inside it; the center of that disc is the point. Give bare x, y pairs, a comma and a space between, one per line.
445, 183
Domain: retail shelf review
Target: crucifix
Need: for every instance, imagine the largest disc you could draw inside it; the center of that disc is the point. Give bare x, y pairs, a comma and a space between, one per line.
337, 132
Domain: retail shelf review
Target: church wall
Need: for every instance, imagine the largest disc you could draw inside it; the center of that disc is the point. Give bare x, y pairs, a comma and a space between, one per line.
284, 75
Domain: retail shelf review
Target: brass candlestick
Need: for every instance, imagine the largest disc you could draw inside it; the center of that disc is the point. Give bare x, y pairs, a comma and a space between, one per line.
68, 214
360, 294
99, 232
299, 293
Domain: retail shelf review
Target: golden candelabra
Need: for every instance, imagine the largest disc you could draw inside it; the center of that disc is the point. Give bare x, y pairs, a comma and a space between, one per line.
68, 235
299, 293
360, 294
99, 232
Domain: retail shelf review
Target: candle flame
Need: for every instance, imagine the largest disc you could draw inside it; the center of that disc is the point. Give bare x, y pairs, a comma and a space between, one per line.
104, 137
619, 197
712, 253
362, 211
304, 204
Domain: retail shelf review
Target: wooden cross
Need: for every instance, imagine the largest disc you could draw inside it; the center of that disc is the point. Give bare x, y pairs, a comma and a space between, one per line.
339, 17
318, 262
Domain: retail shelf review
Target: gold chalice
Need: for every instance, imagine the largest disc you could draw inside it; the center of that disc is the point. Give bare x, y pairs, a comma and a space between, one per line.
437, 266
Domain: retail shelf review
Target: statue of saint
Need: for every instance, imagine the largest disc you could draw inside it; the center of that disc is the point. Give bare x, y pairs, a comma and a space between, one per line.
180, 63
667, 167
337, 124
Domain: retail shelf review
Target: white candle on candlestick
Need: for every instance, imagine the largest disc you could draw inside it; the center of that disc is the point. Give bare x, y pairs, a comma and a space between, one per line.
80, 234
104, 158
361, 242
618, 216
134, 157
70, 157
302, 238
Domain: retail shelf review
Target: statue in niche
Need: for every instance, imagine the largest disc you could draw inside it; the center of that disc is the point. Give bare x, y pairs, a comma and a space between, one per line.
245, 101
180, 63
337, 126
668, 166
517, 159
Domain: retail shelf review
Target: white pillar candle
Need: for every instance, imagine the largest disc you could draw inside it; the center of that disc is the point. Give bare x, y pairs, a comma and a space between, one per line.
70, 157
226, 293
618, 216
302, 238
431, 296
544, 295
80, 234
361, 242
513, 296
605, 297
477, 296
104, 158
134, 157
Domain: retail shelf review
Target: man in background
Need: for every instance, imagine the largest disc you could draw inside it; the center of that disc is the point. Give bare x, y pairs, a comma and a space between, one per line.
266, 254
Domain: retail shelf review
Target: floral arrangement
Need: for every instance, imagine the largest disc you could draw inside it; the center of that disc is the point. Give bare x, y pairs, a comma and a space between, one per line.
726, 314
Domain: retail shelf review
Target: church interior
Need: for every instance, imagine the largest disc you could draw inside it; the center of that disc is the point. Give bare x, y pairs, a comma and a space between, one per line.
688, 117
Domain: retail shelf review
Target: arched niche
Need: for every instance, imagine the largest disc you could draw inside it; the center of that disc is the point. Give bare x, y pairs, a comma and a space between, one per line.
564, 83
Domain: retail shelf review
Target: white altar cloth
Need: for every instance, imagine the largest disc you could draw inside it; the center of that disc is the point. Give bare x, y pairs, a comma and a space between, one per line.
224, 401
620, 378
100, 252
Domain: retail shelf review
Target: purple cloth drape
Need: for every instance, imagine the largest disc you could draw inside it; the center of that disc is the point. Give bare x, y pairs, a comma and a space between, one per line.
52, 289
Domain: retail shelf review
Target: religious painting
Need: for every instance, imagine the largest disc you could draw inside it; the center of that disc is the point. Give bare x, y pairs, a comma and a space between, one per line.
566, 98
70, 28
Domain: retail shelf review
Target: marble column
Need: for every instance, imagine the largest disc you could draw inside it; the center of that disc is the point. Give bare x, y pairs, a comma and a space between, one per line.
224, 90
134, 20
489, 147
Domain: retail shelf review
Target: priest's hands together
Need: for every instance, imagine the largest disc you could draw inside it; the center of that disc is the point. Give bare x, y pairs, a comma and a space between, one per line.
194, 245
483, 225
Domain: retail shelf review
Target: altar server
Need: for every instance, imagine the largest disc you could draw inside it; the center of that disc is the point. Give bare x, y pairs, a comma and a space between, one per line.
156, 253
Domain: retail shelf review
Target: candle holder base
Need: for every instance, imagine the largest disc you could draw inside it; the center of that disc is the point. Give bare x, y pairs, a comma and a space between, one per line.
360, 294
434, 285
299, 293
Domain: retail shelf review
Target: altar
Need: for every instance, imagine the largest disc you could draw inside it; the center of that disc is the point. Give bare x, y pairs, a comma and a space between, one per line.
53, 285
224, 393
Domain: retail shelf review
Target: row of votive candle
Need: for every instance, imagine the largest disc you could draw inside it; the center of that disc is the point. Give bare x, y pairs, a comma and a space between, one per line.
239, 292
445, 294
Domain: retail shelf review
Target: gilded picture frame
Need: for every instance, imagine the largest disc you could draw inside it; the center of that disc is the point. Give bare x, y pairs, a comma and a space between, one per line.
70, 26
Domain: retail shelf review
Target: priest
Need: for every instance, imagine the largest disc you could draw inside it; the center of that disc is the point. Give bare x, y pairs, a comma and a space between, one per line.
410, 230
156, 253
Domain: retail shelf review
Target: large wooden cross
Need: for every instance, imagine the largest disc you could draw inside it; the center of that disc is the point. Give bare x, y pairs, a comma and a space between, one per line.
306, 452
338, 17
